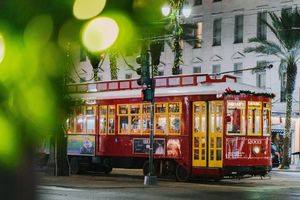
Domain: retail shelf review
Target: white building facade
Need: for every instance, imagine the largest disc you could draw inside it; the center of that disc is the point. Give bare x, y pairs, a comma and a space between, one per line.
224, 27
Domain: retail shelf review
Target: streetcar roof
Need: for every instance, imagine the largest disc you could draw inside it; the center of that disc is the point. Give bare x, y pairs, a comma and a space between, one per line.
217, 88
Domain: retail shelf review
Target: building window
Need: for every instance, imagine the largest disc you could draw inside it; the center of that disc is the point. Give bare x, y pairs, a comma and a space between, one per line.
238, 28
196, 70
217, 0
261, 25
128, 76
197, 2
283, 87
198, 35
217, 26
261, 74
261, 79
236, 68
216, 69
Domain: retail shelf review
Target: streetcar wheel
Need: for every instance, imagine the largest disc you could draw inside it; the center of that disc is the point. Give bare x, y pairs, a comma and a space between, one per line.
107, 166
182, 175
74, 165
107, 170
146, 168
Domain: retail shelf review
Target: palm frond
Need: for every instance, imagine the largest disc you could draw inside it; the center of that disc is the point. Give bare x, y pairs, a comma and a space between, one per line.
265, 47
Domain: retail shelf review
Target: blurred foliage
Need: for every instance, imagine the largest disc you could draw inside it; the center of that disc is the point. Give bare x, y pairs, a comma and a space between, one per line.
32, 73
37, 34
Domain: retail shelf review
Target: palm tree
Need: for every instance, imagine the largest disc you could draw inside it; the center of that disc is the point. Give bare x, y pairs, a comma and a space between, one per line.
177, 33
113, 55
286, 29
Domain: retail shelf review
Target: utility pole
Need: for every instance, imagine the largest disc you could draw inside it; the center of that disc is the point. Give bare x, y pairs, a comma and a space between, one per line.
148, 96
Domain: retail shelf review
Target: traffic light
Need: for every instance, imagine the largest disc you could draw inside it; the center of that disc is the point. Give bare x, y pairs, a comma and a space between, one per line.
144, 69
148, 94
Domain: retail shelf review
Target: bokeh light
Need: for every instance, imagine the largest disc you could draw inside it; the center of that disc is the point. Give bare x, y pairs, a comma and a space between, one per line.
2, 48
99, 34
86, 9
38, 31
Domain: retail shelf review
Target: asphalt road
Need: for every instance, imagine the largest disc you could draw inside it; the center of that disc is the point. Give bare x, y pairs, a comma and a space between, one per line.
128, 184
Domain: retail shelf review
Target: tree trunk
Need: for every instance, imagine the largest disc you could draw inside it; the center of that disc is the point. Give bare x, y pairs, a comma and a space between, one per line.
178, 56
290, 86
58, 164
286, 142
113, 64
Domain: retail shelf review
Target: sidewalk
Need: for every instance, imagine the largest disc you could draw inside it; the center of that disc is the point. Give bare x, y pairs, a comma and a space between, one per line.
275, 169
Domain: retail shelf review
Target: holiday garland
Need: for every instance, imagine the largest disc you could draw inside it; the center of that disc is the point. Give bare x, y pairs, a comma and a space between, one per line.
248, 92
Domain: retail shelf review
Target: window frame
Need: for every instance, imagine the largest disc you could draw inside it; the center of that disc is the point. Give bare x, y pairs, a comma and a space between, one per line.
243, 122
269, 108
261, 29
238, 29
217, 32
256, 105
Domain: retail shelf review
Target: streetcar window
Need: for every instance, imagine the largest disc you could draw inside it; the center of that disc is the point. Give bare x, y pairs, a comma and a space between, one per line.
135, 118
168, 118
254, 118
80, 120
216, 124
174, 107
111, 119
160, 108
236, 117
200, 117
90, 120
174, 124
266, 119
146, 123
103, 120
161, 124
123, 109
135, 124
124, 124
70, 123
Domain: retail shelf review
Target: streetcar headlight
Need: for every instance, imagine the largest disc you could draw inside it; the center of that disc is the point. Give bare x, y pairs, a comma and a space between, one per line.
256, 149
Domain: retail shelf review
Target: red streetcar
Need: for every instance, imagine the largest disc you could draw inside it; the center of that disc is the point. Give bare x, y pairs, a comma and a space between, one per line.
204, 126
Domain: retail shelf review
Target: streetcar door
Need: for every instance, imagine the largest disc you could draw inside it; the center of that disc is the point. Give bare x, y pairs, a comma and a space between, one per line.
199, 151
215, 133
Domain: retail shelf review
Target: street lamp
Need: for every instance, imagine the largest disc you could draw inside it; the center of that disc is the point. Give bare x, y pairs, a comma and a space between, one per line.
176, 7
166, 10
186, 11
